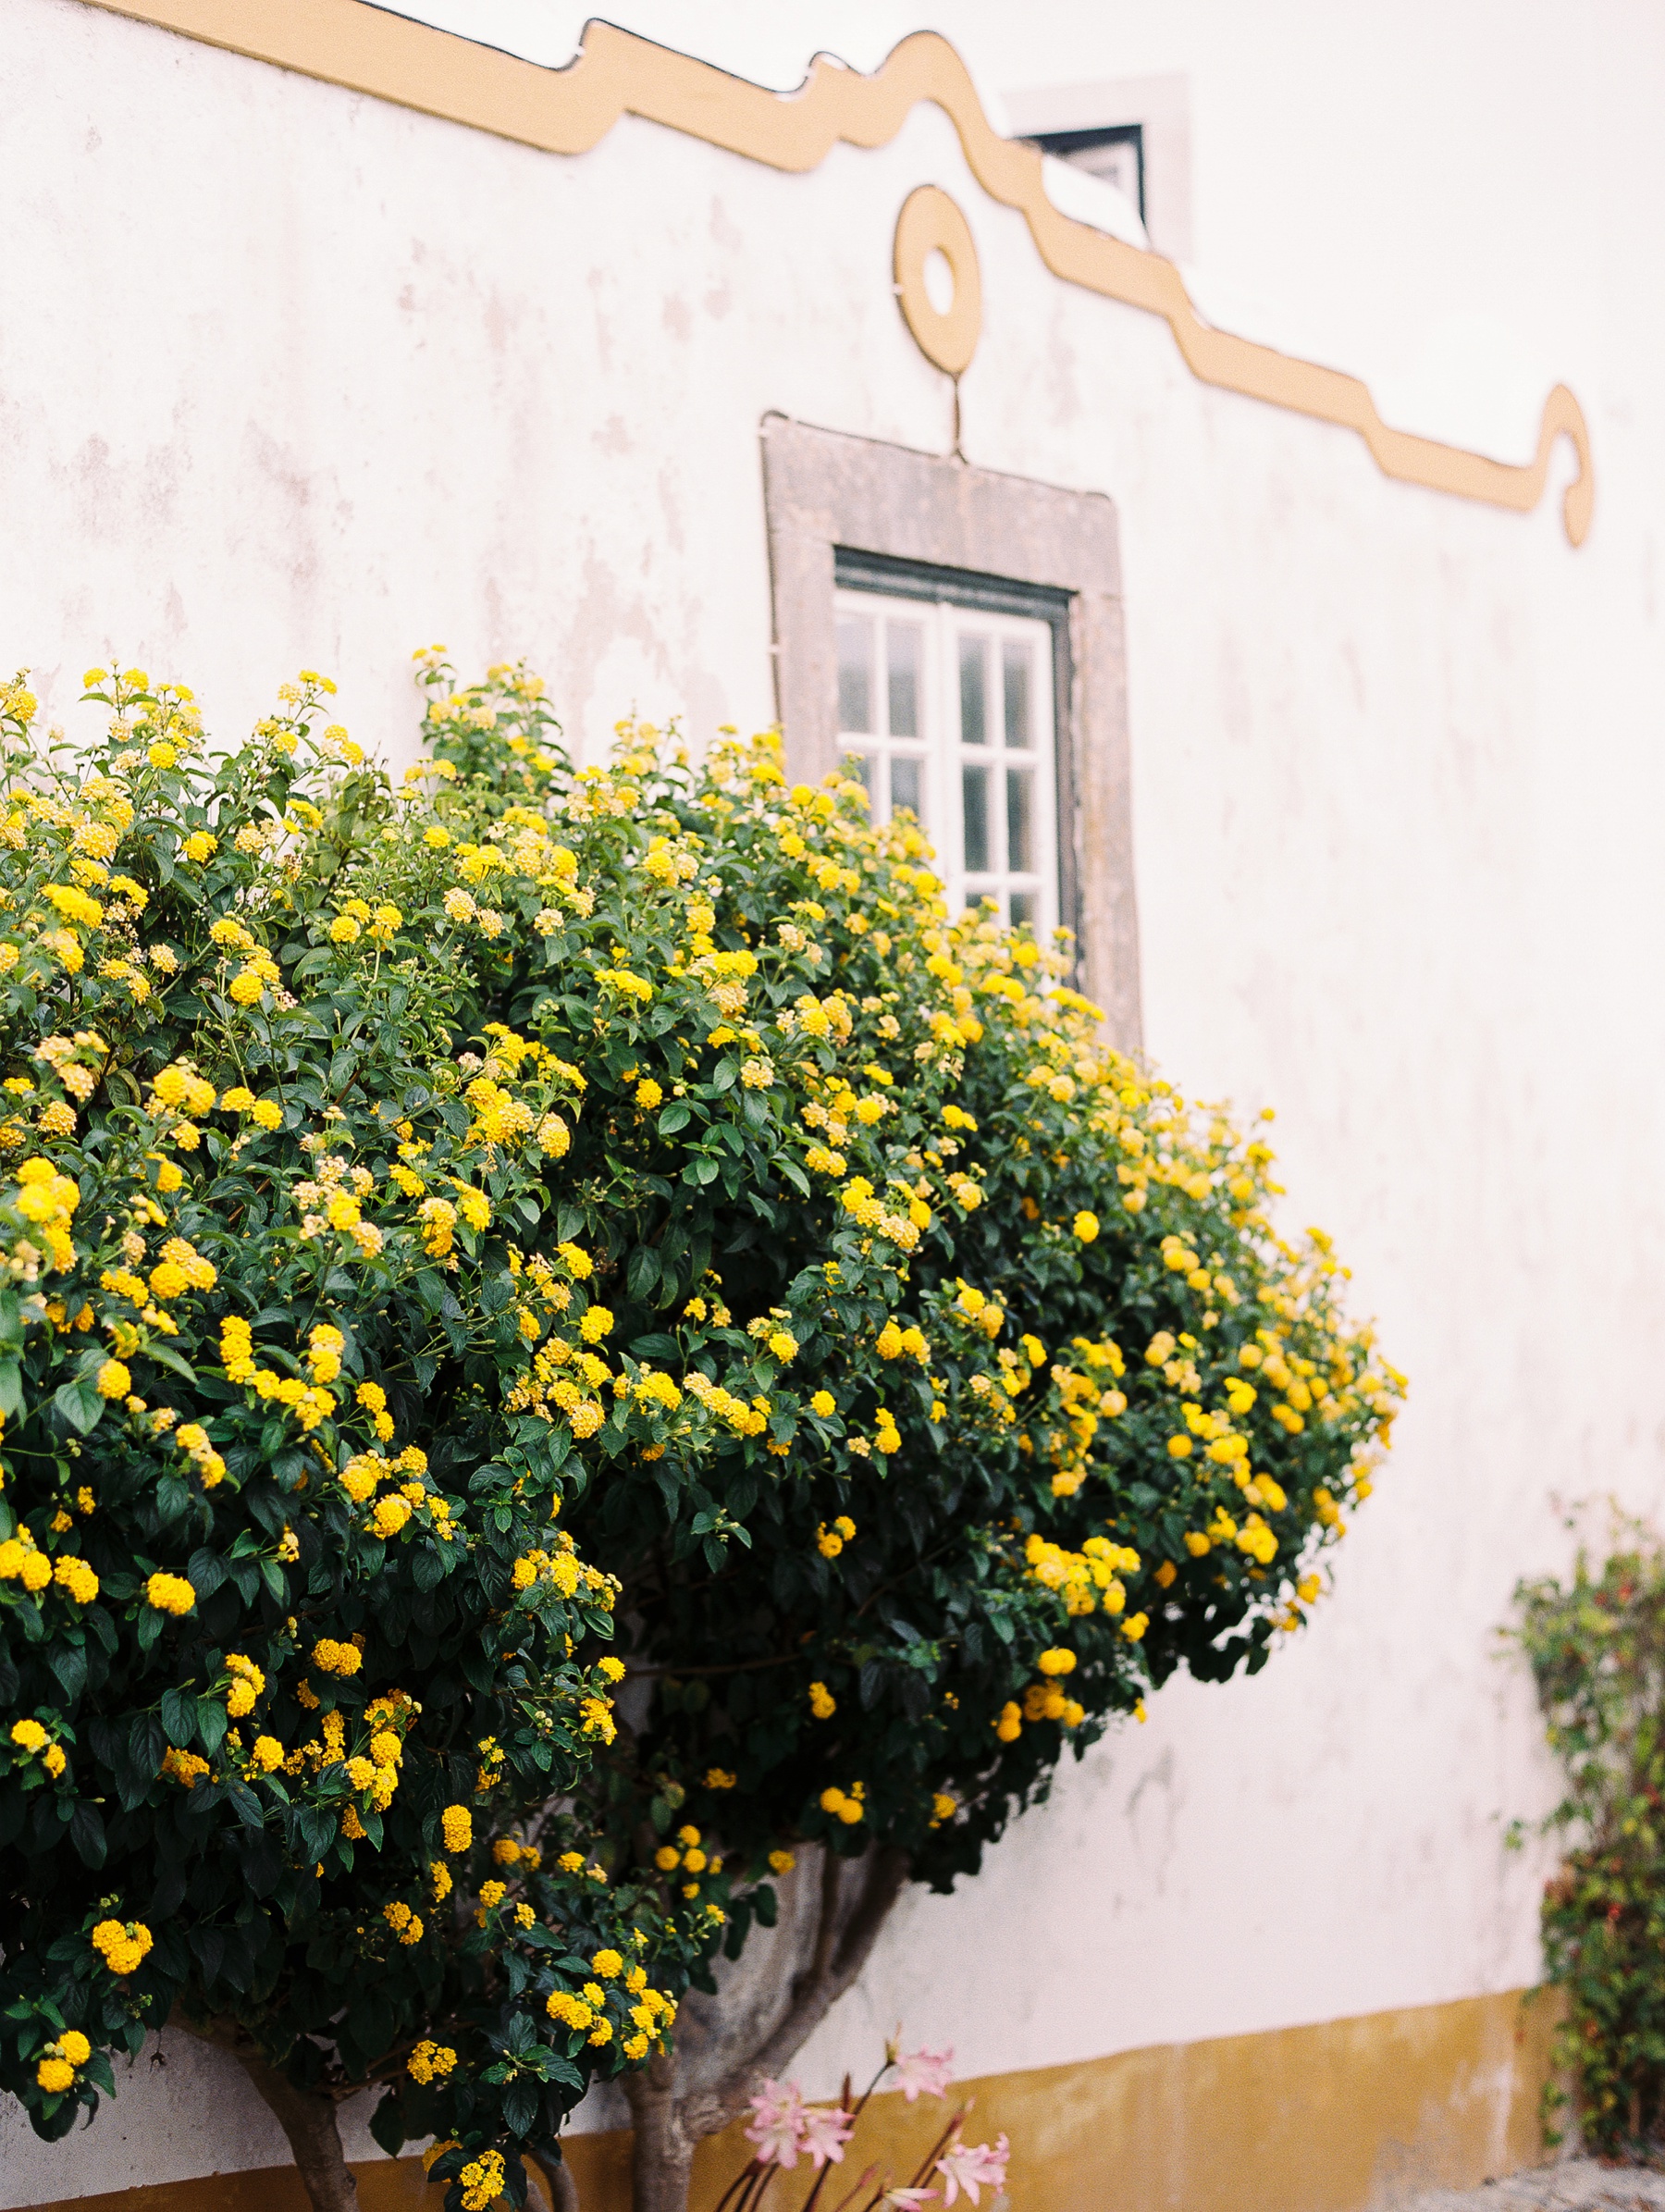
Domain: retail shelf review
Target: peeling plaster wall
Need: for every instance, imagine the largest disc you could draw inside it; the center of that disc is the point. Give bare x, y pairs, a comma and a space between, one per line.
292, 378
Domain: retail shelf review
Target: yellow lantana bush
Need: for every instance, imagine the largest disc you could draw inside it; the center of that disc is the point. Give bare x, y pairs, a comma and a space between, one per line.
447, 1221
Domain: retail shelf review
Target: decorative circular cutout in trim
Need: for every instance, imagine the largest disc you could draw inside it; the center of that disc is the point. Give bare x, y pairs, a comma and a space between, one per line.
930, 223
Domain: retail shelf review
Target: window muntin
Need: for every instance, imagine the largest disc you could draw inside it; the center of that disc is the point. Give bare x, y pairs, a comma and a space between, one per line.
946, 711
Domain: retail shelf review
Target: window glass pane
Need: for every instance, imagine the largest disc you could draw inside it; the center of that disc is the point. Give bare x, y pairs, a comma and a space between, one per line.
942, 708
1014, 672
905, 775
855, 675
976, 787
904, 648
974, 719
1020, 812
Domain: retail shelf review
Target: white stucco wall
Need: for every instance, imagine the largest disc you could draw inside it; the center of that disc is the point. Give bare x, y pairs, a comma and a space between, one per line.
290, 377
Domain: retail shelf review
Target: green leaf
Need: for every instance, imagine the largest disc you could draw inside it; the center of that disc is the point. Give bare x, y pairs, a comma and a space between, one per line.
87, 1834
205, 1570
315, 1830
165, 1358
521, 2102
677, 1115
246, 1804
79, 1404
174, 1497
386, 2125
179, 1715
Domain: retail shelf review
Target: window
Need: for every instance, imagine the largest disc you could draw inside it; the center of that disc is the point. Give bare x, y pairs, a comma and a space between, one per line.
1115, 155
955, 636
946, 713
1134, 132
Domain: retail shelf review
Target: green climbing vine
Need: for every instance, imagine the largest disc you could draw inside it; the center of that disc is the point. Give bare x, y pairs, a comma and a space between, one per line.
1596, 1646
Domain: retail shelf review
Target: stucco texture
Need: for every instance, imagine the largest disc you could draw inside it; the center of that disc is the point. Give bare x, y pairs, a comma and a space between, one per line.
290, 378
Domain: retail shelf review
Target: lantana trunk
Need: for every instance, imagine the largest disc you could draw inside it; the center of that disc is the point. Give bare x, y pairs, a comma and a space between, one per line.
308, 2117
766, 2008
662, 2154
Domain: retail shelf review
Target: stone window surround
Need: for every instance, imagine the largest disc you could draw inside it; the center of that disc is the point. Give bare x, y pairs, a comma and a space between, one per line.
825, 492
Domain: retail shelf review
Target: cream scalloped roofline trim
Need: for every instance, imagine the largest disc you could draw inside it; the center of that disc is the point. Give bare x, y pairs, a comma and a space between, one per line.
365, 49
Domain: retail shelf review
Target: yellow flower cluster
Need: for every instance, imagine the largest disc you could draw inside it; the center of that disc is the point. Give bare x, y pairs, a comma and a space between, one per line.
170, 1593
595, 1718
30, 1738
847, 1806
246, 1685
123, 1945
600, 2013
830, 1541
192, 1439
22, 1560
60, 2061
46, 1200
482, 2180
561, 1569
407, 1926
309, 1403
1086, 1580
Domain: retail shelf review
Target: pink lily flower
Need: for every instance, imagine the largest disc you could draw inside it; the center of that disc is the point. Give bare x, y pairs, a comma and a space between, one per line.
970, 2166
826, 2129
923, 2074
778, 2130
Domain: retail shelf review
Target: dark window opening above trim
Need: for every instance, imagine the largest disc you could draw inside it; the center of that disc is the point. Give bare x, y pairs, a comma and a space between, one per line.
854, 570
1067, 144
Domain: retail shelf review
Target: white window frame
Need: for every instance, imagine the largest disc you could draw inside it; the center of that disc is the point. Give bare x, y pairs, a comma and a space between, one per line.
947, 759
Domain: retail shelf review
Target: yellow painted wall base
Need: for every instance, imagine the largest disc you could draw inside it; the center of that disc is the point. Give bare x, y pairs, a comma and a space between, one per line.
1347, 2114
